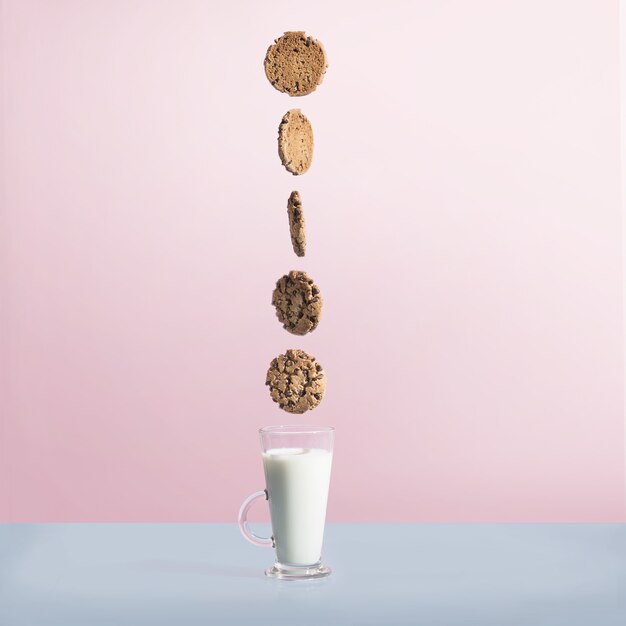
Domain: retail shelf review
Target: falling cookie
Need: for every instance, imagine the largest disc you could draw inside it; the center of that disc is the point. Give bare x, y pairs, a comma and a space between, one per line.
298, 303
296, 223
297, 383
295, 64
295, 142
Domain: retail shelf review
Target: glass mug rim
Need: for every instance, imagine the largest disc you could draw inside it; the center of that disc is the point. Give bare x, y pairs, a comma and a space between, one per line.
295, 429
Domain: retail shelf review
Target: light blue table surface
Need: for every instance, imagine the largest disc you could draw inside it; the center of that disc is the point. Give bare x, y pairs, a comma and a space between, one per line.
206, 574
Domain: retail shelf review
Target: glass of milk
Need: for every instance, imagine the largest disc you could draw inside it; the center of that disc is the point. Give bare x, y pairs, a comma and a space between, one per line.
297, 461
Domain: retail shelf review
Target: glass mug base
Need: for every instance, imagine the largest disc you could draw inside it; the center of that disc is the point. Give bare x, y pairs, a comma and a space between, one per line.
298, 572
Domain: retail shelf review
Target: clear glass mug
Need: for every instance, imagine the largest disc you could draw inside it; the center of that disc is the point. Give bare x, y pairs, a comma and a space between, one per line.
297, 462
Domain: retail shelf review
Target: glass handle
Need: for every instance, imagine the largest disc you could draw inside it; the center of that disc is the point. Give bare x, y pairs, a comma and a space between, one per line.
267, 542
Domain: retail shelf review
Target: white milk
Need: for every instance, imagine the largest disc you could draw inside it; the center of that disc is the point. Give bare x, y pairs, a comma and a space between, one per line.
297, 483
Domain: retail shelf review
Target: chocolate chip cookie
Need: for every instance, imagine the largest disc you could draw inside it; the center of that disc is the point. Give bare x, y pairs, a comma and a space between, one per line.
296, 381
296, 223
295, 142
295, 63
298, 303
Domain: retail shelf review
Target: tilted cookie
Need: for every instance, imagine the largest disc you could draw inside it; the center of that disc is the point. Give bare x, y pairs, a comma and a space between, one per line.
295, 142
297, 383
298, 303
296, 224
295, 64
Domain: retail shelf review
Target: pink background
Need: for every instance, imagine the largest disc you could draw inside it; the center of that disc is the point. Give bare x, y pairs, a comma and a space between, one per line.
464, 228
